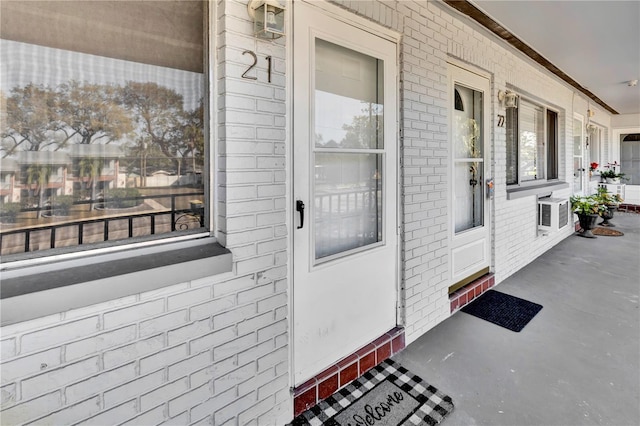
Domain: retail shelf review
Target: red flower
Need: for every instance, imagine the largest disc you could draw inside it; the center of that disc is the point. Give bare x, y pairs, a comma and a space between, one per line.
593, 166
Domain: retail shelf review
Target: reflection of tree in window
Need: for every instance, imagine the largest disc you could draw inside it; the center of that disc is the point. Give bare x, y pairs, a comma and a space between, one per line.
102, 116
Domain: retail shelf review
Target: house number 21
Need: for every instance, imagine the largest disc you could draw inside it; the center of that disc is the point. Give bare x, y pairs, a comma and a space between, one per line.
255, 61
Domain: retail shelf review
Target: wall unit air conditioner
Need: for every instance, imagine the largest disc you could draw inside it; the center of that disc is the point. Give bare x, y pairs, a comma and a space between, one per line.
553, 214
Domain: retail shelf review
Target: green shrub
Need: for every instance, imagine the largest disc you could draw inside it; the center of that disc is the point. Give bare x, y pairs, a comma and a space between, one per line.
9, 212
118, 198
62, 205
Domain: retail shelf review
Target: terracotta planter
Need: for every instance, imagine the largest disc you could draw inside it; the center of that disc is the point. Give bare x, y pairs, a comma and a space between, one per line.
587, 223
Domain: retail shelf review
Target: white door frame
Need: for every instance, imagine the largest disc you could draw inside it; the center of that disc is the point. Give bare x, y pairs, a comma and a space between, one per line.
358, 22
487, 228
615, 145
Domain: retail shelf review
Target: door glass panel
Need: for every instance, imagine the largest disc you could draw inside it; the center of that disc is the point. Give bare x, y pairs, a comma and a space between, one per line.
348, 202
348, 98
347, 185
468, 163
468, 195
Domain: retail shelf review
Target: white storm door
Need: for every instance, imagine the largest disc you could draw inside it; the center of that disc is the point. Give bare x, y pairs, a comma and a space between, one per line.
470, 149
345, 252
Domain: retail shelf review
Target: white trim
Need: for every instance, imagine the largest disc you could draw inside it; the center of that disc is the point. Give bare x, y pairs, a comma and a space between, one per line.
472, 68
615, 145
352, 19
289, 196
212, 66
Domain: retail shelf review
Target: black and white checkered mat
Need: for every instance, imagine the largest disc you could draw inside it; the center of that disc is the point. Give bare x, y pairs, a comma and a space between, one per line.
388, 394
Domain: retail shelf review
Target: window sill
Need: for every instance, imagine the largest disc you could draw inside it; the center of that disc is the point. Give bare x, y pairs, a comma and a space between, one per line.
45, 289
538, 189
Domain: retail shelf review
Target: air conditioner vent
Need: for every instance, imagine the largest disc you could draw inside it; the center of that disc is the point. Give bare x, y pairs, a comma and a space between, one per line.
553, 214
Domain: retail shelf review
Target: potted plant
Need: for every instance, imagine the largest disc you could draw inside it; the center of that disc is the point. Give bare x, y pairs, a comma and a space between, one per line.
592, 168
611, 175
588, 209
611, 202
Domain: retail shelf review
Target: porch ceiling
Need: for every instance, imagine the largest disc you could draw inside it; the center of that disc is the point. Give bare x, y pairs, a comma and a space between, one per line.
596, 43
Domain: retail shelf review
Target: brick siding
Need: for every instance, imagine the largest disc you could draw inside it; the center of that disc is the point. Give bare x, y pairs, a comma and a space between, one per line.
215, 350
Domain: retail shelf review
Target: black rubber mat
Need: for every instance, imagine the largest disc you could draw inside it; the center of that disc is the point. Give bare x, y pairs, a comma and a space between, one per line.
503, 309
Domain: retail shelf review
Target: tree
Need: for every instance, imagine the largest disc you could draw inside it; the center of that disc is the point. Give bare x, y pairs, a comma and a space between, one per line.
190, 140
93, 111
159, 112
30, 120
92, 169
364, 129
38, 175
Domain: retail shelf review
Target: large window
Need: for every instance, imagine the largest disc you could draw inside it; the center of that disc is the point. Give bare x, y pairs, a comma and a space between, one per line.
532, 143
102, 122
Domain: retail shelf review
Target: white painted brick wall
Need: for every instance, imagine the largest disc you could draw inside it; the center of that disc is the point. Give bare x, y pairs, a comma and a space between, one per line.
215, 351
195, 352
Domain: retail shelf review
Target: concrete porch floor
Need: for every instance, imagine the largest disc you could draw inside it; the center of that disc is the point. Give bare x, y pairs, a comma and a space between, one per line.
576, 363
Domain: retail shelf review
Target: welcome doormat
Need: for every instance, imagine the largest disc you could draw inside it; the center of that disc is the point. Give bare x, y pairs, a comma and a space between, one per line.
386, 395
503, 309
607, 232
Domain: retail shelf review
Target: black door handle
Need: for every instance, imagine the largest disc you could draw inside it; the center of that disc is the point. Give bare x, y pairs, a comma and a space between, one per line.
300, 208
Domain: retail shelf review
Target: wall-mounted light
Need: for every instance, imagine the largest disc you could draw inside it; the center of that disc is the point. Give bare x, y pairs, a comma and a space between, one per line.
509, 99
268, 18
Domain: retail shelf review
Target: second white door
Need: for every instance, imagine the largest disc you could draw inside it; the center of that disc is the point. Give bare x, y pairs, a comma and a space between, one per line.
470, 206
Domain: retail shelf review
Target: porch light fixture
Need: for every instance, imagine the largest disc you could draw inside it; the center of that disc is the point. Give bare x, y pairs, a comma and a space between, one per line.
268, 18
509, 98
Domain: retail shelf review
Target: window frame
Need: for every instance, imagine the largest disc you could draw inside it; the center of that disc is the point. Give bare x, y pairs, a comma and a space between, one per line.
199, 248
546, 109
596, 144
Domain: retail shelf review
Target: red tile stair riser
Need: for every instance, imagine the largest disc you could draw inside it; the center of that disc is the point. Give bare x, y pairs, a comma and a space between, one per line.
328, 386
305, 400
348, 369
471, 291
367, 362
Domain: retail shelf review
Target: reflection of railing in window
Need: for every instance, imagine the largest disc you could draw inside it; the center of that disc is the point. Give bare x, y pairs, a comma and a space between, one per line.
346, 220
106, 228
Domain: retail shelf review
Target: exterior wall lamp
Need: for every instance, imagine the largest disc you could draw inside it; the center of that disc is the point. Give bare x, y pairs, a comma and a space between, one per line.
509, 99
268, 18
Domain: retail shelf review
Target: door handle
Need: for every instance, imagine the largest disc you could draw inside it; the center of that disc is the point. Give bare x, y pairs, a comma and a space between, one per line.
300, 208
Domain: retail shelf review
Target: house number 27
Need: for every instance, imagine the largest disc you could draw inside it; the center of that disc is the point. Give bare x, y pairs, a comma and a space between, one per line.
255, 61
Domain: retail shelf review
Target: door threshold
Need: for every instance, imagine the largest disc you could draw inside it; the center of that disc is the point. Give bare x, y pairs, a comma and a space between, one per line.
346, 370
